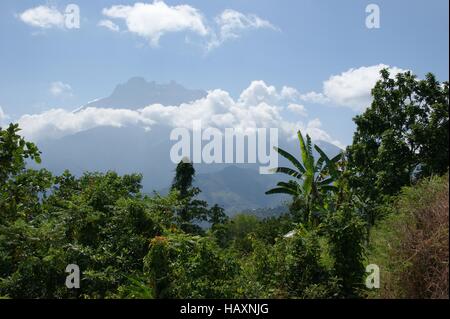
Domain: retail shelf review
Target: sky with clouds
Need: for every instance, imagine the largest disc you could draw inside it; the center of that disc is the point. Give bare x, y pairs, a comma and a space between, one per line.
292, 64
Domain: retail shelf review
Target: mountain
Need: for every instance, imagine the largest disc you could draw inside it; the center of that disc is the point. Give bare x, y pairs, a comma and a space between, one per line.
137, 93
132, 149
237, 189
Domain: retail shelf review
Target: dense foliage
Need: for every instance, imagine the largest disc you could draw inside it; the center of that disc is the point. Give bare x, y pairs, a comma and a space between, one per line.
133, 245
403, 136
411, 245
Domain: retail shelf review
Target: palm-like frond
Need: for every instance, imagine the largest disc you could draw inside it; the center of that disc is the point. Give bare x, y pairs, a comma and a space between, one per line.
304, 151
331, 164
291, 158
319, 165
338, 157
316, 177
291, 185
288, 171
281, 190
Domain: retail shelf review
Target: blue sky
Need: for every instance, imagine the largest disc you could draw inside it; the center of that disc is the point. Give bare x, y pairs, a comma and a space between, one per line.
302, 44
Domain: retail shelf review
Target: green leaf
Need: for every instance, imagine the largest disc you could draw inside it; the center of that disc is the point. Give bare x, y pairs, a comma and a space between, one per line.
281, 190
288, 171
291, 158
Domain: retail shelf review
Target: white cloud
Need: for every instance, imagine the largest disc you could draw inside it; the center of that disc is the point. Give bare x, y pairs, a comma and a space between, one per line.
314, 129
43, 17
255, 108
3, 116
351, 88
57, 123
153, 20
289, 93
60, 89
314, 97
259, 92
231, 24
298, 109
109, 25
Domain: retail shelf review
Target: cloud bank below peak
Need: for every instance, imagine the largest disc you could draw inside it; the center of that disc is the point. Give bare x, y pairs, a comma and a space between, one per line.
259, 106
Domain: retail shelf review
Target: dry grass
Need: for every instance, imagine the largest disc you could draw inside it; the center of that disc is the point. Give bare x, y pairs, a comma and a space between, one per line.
414, 244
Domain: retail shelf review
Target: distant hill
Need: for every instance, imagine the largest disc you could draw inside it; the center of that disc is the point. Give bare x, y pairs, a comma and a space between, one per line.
238, 189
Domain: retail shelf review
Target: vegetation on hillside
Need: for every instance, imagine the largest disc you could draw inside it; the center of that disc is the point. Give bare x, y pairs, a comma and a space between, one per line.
411, 245
358, 207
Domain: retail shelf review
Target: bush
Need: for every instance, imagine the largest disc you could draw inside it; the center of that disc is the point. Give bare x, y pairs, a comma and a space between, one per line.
346, 234
411, 246
186, 266
292, 268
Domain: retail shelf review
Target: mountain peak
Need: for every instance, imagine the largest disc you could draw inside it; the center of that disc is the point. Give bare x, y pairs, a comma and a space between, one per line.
137, 93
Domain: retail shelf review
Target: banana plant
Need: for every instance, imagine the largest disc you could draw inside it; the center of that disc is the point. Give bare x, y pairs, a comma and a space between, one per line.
310, 179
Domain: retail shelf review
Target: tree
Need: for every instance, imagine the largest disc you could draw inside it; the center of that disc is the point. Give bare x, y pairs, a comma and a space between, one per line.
14, 150
217, 216
193, 209
184, 177
19, 186
312, 178
402, 136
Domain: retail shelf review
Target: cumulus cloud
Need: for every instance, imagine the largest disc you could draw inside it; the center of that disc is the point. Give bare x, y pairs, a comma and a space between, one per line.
44, 17
257, 107
60, 89
298, 109
231, 24
109, 25
290, 93
258, 92
351, 88
153, 20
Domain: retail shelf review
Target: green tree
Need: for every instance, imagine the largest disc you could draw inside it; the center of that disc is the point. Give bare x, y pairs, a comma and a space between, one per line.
14, 150
403, 135
311, 180
217, 216
193, 208
20, 188
184, 176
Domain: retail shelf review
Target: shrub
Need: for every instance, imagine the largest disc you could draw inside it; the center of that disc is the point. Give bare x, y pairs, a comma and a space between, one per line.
411, 247
346, 233
186, 266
